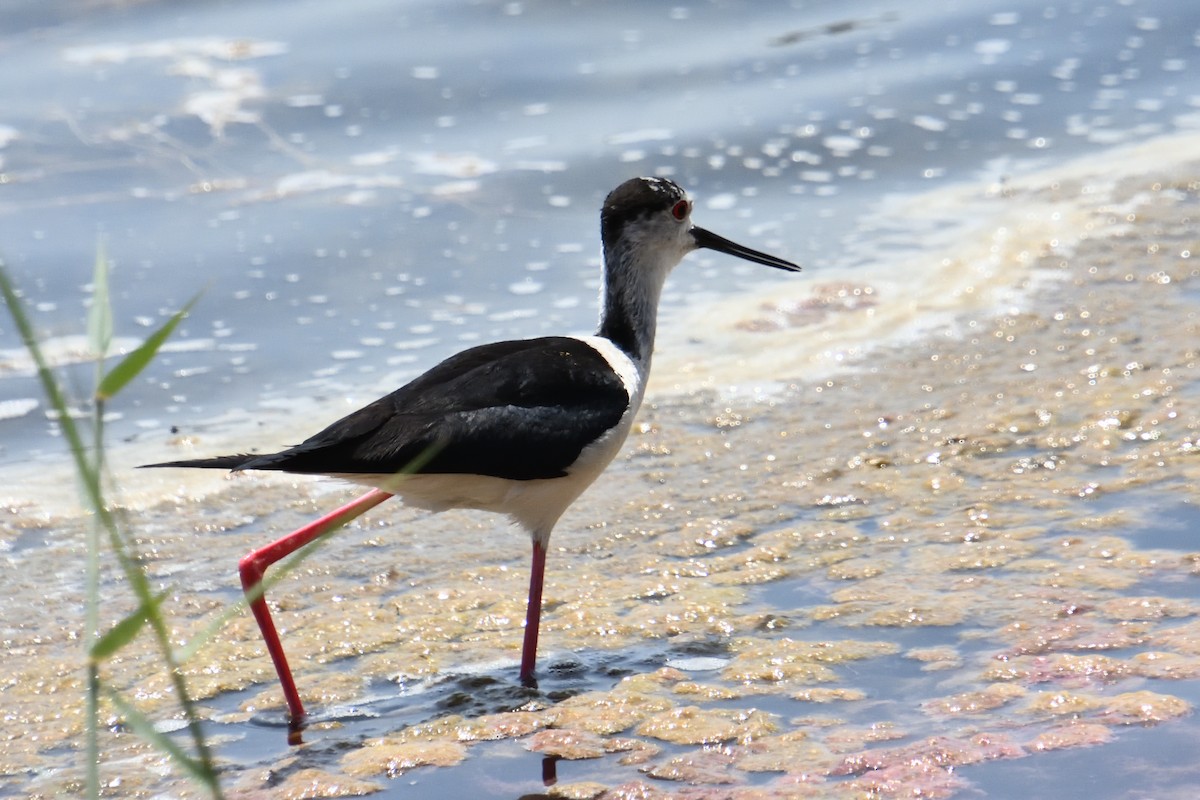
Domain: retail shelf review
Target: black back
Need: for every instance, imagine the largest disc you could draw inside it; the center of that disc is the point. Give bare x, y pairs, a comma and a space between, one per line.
520, 410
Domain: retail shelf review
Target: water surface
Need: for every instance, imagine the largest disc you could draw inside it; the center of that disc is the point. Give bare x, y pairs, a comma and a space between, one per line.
917, 519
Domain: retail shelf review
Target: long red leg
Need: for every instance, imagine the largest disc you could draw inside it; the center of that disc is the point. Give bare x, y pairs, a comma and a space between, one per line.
254, 565
533, 614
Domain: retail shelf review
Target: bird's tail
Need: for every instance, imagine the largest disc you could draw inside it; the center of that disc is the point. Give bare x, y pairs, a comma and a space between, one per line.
234, 462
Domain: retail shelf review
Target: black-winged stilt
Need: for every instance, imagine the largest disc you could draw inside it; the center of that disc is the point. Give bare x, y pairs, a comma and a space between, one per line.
520, 428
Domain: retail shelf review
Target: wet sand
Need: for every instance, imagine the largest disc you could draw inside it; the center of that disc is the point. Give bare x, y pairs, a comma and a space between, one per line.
855, 570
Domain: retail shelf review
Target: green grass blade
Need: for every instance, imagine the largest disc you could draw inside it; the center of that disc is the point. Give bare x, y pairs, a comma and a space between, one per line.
90, 473
91, 483
144, 728
136, 361
124, 631
100, 321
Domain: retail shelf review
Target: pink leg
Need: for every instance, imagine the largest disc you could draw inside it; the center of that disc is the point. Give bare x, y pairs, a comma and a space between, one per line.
533, 615
254, 565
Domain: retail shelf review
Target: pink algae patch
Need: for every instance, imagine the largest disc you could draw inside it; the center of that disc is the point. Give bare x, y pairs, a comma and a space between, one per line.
925, 768
1083, 734
1071, 669
706, 766
986, 699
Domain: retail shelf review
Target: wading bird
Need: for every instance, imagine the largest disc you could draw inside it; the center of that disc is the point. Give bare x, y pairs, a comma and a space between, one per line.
519, 427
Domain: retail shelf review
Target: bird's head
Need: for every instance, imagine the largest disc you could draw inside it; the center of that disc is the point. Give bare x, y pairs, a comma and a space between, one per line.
649, 221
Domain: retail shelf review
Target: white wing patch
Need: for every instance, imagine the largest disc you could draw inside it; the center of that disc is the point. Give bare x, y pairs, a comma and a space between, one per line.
626, 368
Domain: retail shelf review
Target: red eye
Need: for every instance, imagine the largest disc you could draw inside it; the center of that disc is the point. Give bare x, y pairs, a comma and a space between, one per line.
681, 209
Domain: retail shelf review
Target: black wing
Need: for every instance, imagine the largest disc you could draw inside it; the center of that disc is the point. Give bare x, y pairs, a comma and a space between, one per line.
520, 410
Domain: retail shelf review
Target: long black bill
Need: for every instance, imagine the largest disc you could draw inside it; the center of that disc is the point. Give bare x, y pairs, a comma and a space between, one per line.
720, 244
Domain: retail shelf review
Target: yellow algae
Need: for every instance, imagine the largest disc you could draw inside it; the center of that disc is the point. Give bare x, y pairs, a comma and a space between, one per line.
787, 752
817, 694
1144, 708
568, 744
1035, 566
607, 712
822, 547
837, 651
749, 574
854, 569
636, 790
828, 613
706, 691
1157, 664
650, 682
985, 555
445, 727
776, 669
1079, 734
883, 603
392, 757
694, 725
411, 662
936, 658
846, 739
1182, 638
986, 699
331, 688
1146, 608
677, 619
1062, 703
580, 790
313, 784
769, 621
1114, 519
922, 609
700, 537
1081, 575
788, 660
504, 725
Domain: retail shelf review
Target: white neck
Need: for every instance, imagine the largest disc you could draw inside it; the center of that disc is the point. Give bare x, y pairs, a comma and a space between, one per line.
633, 285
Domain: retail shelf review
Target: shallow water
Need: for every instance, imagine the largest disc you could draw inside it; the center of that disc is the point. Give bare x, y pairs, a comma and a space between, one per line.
919, 520
359, 196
